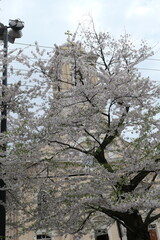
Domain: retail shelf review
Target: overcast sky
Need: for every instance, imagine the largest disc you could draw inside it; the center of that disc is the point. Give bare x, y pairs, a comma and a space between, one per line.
46, 21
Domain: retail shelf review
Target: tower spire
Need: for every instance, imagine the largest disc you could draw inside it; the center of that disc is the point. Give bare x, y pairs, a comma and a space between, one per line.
69, 35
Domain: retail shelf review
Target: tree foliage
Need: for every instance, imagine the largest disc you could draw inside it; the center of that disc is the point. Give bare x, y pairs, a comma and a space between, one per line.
69, 137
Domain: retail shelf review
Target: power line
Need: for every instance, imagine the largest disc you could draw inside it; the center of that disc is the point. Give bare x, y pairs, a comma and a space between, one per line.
153, 59
149, 69
33, 45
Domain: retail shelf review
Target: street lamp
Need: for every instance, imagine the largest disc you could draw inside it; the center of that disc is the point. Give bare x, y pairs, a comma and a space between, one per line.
15, 27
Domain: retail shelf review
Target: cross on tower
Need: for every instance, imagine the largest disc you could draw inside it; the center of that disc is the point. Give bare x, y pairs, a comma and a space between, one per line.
69, 34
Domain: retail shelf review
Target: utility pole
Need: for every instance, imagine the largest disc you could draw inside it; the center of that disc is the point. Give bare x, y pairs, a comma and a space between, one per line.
3, 130
5, 36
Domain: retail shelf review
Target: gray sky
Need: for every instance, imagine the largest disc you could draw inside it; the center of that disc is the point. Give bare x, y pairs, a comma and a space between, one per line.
46, 21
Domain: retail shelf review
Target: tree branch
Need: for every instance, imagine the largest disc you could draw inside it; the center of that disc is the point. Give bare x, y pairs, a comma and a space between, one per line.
134, 182
91, 135
154, 218
152, 181
118, 216
69, 146
146, 221
83, 223
99, 153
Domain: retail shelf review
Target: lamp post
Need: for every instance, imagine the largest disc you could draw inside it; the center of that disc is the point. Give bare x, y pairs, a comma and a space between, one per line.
15, 27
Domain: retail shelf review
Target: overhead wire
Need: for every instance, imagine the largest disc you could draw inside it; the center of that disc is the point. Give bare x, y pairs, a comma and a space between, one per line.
33, 45
148, 69
49, 47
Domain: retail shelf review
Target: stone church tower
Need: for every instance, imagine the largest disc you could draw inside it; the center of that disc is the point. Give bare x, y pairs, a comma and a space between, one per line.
69, 59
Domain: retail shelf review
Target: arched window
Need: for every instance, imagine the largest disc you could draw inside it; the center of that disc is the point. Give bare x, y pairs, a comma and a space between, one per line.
153, 232
42, 203
101, 235
43, 237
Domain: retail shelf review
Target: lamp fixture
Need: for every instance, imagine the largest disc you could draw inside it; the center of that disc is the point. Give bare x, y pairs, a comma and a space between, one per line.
15, 30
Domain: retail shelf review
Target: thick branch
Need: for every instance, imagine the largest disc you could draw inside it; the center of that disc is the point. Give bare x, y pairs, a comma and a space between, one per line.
99, 153
148, 216
134, 182
118, 216
154, 218
152, 181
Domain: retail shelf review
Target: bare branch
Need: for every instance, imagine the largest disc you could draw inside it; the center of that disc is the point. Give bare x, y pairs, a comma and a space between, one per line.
91, 135
83, 223
69, 146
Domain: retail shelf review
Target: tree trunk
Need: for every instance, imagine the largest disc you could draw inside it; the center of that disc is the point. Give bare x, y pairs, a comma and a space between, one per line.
136, 229
140, 234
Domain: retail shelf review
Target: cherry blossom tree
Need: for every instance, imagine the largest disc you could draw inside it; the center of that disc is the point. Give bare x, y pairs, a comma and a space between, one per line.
88, 141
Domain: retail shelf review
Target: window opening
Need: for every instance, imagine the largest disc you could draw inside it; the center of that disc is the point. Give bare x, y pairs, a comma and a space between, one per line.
43, 236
